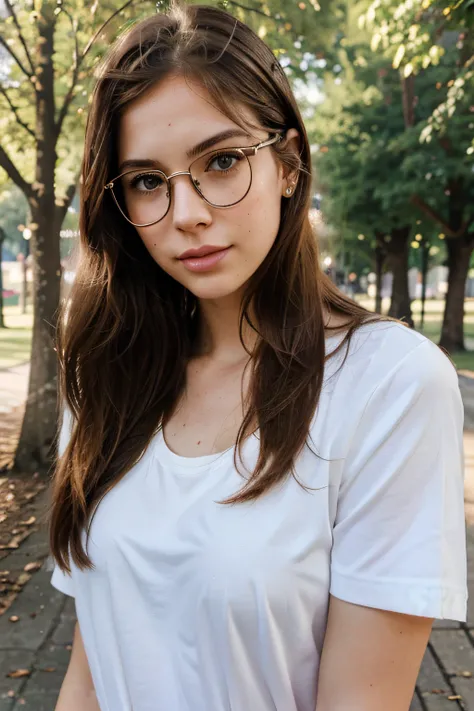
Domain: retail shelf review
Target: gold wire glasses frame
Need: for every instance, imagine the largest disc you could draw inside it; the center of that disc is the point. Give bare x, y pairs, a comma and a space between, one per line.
245, 152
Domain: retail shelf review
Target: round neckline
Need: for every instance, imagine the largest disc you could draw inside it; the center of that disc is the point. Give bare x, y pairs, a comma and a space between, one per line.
165, 453
201, 460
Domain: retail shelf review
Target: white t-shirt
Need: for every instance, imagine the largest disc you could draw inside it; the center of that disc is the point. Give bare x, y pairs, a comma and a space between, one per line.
198, 606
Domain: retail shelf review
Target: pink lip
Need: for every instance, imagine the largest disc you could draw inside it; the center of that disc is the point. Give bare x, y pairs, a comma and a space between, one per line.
203, 259
201, 252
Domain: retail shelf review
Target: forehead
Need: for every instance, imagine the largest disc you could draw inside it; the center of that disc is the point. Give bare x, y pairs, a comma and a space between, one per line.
170, 118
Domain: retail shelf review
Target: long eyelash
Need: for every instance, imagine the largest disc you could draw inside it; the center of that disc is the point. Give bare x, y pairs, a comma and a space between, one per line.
139, 177
217, 155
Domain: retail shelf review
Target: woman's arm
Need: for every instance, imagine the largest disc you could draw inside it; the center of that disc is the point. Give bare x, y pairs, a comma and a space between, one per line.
371, 658
77, 691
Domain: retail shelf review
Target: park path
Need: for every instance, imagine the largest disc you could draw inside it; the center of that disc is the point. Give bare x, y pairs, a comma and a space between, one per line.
13, 387
39, 642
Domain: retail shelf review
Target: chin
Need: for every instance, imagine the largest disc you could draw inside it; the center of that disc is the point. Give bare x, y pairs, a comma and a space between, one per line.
219, 289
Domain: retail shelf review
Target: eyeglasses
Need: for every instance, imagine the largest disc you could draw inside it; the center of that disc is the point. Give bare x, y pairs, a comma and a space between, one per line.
221, 177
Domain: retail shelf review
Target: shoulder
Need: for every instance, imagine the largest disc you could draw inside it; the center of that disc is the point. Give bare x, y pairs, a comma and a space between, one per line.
383, 351
388, 373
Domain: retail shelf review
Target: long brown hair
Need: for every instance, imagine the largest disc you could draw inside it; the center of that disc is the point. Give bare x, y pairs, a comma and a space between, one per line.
127, 331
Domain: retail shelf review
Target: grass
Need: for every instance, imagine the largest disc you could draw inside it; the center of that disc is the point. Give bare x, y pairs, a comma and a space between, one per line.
15, 340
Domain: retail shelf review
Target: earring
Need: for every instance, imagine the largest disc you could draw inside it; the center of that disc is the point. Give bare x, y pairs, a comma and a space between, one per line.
289, 191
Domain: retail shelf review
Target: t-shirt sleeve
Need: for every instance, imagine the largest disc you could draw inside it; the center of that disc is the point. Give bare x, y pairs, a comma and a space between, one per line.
399, 539
60, 580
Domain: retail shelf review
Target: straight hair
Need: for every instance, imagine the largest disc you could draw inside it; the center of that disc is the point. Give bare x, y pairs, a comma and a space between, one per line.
128, 330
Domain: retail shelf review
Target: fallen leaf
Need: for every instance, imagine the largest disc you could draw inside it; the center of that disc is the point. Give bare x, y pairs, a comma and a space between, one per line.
4, 572
466, 674
438, 691
32, 567
19, 673
11, 694
30, 521
16, 540
9, 497
14, 618
23, 578
3, 518
454, 698
48, 669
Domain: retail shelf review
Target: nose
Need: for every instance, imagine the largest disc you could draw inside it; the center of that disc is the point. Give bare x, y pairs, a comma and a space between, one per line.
188, 208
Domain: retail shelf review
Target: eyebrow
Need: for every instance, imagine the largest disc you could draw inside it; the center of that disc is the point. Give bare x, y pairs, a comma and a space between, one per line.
192, 153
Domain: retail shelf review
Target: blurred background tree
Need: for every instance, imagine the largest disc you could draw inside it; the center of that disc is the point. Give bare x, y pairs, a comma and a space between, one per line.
395, 140
49, 50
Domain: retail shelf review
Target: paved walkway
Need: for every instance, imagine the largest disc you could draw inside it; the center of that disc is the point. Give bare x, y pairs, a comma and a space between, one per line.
13, 386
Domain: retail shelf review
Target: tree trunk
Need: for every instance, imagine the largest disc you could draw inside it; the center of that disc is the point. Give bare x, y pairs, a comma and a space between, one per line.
24, 286
380, 257
425, 263
400, 306
459, 257
39, 423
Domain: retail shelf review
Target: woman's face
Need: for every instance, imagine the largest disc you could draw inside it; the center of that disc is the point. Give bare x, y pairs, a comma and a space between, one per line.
164, 126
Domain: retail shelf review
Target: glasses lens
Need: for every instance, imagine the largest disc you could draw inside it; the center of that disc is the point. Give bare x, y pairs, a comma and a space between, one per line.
143, 196
223, 177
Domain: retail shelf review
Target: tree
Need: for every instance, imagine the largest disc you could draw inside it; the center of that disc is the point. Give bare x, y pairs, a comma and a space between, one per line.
49, 51
419, 37
430, 46
357, 169
355, 128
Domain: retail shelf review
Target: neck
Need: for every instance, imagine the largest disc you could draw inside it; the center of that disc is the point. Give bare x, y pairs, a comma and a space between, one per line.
219, 335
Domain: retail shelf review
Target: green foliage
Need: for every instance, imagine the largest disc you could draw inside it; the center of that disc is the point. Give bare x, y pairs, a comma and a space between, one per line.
377, 170
82, 30
419, 35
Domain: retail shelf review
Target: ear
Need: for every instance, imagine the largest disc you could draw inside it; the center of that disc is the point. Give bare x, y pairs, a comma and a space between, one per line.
291, 144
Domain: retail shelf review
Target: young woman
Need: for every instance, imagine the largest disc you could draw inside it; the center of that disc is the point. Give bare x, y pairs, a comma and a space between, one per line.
258, 503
